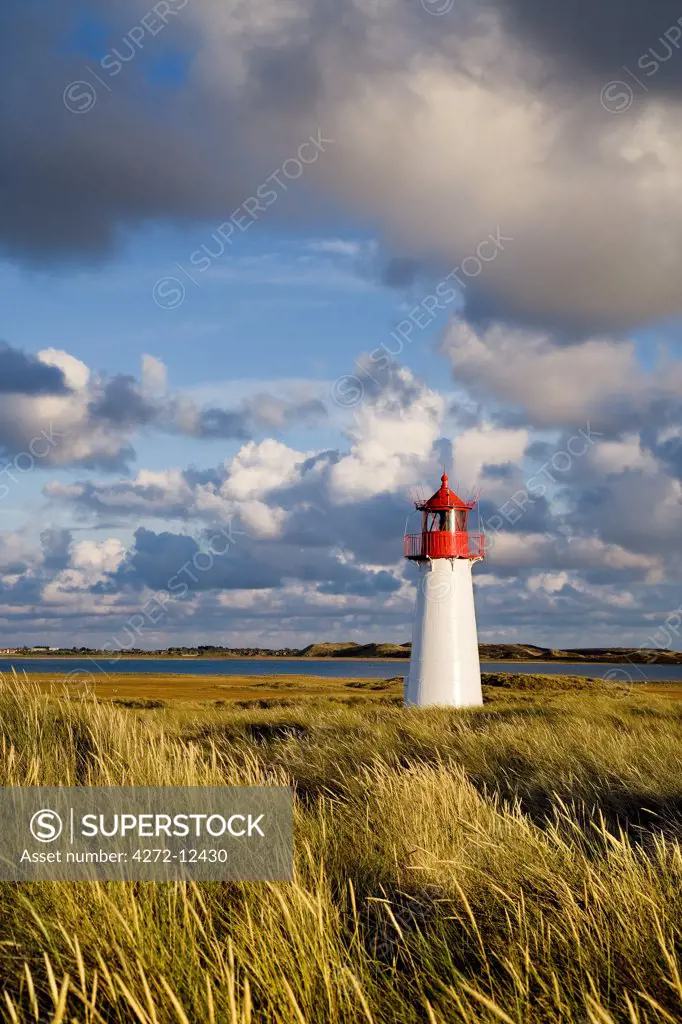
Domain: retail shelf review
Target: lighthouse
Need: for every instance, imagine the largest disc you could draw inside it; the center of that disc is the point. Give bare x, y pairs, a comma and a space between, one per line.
444, 666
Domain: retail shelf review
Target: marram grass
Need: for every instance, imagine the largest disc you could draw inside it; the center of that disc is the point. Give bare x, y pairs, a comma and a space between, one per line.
515, 863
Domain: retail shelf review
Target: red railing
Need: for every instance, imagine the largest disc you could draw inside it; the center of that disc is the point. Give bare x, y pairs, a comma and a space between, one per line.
439, 544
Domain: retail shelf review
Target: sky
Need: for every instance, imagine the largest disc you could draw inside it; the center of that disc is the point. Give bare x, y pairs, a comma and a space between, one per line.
268, 268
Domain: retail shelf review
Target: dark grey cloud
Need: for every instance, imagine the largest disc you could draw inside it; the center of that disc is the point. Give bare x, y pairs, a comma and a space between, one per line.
222, 423
632, 509
662, 435
56, 544
146, 151
121, 501
536, 517
402, 272
95, 425
499, 471
270, 411
250, 91
24, 374
73, 181
180, 565
370, 530
483, 309
377, 583
597, 39
122, 404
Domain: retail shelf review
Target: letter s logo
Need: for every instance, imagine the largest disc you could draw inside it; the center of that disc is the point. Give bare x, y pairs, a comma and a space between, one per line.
46, 826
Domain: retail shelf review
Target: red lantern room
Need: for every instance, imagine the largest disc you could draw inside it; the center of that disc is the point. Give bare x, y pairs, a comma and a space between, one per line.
445, 528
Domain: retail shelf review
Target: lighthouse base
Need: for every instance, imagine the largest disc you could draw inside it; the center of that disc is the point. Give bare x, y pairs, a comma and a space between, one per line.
444, 666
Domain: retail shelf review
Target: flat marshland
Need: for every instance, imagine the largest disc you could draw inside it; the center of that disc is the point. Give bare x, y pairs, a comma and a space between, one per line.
519, 862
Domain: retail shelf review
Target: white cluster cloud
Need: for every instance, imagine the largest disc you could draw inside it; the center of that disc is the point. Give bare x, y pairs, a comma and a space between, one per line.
258, 469
79, 416
58, 428
558, 385
90, 562
314, 536
487, 445
392, 441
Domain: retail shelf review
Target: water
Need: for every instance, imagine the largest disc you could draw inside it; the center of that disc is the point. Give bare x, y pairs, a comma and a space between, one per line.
307, 666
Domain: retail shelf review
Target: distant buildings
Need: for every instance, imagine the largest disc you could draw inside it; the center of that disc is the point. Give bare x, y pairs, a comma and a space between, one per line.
29, 650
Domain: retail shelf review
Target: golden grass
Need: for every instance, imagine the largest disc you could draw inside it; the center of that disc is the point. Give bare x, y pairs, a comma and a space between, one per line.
519, 863
200, 689
165, 686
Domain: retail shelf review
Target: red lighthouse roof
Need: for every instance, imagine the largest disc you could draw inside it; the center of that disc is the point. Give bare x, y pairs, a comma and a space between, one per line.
444, 498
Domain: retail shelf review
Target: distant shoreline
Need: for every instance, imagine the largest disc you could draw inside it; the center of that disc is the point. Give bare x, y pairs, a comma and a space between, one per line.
350, 652
179, 657
103, 658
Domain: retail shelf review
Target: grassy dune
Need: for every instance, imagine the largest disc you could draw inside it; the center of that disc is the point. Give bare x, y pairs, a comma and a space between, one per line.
516, 863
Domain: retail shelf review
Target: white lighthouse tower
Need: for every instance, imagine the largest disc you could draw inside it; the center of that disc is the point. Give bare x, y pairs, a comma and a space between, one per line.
444, 667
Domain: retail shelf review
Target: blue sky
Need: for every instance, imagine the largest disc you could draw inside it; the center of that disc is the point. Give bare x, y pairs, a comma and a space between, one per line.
279, 306
272, 301
260, 400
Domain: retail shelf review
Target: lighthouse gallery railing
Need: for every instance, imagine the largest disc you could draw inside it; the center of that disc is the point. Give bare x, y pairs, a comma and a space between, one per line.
439, 544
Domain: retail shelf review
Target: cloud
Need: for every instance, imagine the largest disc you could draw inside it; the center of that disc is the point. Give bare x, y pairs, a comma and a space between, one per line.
591, 551
90, 563
259, 469
64, 414
149, 493
478, 449
619, 33
154, 380
277, 413
121, 403
23, 374
56, 545
182, 565
554, 384
451, 134
336, 247
242, 486
392, 439
486, 121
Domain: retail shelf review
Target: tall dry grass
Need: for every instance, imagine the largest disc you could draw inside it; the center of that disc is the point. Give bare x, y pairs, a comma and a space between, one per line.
515, 863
